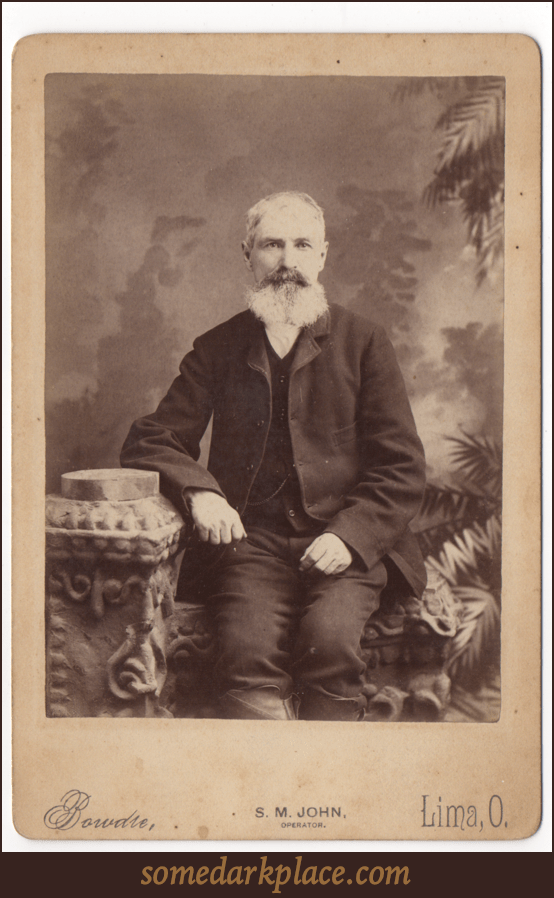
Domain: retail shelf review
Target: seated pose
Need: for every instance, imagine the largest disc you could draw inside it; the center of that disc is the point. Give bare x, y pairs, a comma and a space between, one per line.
315, 472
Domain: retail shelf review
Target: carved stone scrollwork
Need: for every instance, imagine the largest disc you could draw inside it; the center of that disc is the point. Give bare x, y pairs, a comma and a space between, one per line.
112, 546
405, 648
119, 646
190, 657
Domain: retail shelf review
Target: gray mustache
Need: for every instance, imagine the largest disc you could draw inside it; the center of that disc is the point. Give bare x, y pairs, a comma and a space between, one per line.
283, 276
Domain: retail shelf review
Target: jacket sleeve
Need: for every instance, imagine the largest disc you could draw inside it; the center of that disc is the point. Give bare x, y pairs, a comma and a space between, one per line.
388, 494
168, 441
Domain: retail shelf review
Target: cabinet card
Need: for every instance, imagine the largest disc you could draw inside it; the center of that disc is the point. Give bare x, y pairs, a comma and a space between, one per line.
135, 160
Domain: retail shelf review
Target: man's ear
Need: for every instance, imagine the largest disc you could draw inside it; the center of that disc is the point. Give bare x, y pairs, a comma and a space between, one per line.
323, 256
246, 253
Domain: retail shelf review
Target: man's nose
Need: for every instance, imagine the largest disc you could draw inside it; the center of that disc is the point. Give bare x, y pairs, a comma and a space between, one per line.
288, 259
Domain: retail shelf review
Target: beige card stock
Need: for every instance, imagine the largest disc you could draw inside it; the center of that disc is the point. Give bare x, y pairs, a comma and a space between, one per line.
215, 779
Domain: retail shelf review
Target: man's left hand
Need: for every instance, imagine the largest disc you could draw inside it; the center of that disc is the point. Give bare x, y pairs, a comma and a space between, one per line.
327, 554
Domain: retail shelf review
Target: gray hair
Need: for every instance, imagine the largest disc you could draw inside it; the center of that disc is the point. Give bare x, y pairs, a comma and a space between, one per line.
254, 215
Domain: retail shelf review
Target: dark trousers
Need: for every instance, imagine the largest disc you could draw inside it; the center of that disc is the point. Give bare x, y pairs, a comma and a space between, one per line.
278, 626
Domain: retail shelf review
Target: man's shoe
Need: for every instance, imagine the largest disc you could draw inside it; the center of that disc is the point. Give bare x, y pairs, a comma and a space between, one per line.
263, 703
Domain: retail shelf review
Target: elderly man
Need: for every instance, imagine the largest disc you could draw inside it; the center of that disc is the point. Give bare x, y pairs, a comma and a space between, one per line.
315, 471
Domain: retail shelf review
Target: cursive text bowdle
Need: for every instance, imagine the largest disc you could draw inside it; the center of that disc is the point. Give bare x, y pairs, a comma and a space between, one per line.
68, 813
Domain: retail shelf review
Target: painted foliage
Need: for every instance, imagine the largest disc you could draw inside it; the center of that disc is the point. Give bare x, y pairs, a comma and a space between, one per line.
148, 179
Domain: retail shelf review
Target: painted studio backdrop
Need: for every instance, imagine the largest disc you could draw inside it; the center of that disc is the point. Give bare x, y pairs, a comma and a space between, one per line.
148, 179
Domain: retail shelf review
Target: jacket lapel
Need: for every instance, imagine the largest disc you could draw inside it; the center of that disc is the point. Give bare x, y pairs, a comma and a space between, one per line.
257, 353
306, 348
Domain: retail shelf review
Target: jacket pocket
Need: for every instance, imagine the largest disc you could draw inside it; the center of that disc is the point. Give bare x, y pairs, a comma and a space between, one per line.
344, 435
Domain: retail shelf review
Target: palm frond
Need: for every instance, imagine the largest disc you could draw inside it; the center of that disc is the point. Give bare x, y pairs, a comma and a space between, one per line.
442, 501
483, 205
477, 634
442, 189
491, 245
461, 539
447, 505
464, 554
480, 459
470, 168
472, 124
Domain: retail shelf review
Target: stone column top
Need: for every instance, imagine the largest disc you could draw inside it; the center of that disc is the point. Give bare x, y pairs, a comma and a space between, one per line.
111, 484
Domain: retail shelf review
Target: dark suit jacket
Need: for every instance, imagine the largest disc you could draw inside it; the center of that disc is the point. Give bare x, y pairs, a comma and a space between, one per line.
359, 460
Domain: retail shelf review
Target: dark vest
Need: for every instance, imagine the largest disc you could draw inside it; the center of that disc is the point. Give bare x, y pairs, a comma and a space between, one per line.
275, 502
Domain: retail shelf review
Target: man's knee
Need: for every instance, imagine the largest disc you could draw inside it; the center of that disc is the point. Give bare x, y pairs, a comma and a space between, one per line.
327, 641
244, 641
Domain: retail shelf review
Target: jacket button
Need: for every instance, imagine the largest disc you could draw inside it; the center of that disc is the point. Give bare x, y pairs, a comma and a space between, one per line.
249, 467
291, 513
259, 424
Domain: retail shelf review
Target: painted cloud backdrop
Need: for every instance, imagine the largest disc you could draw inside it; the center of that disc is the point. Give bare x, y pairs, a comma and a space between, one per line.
148, 180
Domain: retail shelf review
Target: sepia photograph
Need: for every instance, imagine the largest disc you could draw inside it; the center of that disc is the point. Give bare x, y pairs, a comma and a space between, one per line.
277, 429
306, 522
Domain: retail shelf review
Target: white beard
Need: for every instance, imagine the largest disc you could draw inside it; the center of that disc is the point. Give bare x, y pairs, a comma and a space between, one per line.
287, 304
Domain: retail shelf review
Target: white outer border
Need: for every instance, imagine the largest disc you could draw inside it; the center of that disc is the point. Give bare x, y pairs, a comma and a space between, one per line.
533, 19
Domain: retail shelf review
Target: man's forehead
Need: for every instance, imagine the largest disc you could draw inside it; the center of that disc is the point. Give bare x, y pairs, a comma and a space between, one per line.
291, 215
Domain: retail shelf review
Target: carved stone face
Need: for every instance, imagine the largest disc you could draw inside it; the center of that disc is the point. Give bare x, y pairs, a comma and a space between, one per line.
290, 237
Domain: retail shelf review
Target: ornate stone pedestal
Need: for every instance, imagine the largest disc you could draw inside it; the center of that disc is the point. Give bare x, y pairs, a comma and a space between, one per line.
119, 646
112, 545
406, 646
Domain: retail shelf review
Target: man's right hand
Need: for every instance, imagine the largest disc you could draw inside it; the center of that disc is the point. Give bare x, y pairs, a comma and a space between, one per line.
213, 517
